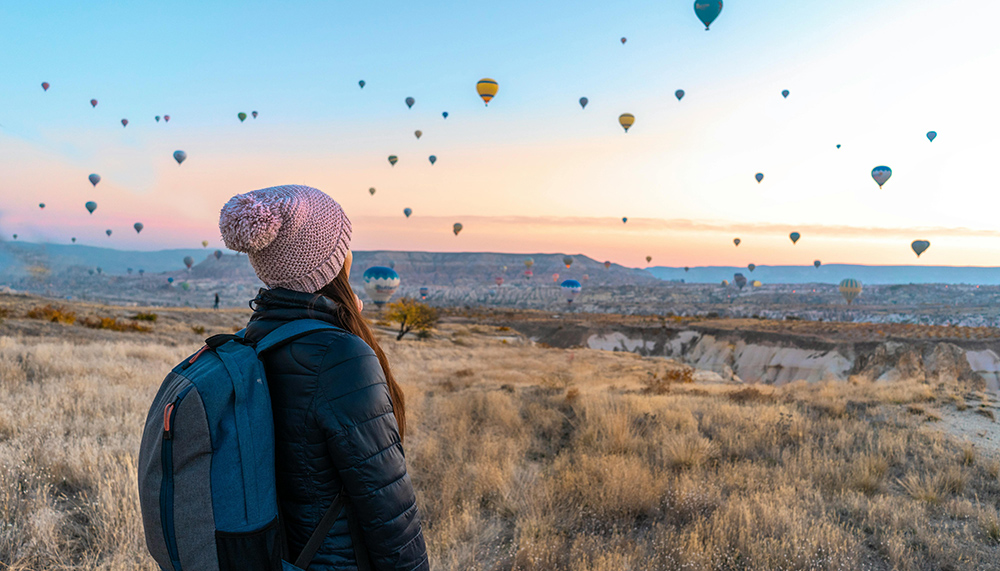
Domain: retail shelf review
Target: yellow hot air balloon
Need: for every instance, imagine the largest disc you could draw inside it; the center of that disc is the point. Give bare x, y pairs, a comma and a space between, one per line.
204, 243
626, 120
487, 89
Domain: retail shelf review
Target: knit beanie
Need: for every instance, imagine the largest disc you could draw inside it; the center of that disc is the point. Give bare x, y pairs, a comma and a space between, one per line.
296, 237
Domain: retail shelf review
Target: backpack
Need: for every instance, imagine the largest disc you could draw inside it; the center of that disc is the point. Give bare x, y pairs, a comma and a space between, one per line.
207, 484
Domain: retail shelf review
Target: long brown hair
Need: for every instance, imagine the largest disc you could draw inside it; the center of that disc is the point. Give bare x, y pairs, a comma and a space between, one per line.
339, 290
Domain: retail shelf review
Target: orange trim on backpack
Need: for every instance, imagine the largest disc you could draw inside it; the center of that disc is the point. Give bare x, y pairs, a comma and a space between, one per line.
166, 416
196, 355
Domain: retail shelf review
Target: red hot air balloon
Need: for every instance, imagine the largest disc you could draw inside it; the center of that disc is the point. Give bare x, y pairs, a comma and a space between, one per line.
93, 103
124, 123
166, 118
45, 86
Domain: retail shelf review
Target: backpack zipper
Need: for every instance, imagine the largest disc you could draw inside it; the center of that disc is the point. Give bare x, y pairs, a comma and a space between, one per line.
167, 482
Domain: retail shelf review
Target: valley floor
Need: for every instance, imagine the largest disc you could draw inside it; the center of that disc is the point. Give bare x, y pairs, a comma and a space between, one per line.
533, 458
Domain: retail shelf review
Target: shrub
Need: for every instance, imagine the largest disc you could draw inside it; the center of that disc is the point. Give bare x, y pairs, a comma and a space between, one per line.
750, 394
112, 324
660, 385
410, 314
199, 329
150, 317
4, 313
53, 313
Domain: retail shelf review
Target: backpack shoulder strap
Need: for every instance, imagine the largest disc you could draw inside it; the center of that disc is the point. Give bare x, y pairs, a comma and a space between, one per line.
319, 534
290, 332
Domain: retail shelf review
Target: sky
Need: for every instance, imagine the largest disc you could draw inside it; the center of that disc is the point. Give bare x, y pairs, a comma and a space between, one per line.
531, 172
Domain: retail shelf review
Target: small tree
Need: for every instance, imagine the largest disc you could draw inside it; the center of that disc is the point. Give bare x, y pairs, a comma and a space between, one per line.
411, 315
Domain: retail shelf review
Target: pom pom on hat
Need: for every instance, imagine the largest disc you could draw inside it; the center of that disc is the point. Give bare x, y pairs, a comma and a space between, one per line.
248, 224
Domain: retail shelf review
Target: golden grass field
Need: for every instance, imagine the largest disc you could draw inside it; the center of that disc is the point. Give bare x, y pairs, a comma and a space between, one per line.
529, 458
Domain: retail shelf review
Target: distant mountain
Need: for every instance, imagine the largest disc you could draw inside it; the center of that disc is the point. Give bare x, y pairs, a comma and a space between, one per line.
19, 258
833, 273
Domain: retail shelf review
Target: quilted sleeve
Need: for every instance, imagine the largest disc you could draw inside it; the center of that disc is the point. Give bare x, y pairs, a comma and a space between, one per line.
354, 408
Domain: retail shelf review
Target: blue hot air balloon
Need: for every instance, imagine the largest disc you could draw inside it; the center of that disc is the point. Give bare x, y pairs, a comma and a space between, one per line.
583, 102
410, 101
785, 93
444, 114
170, 280
407, 212
180, 156
759, 176
108, 232
570, 289
91, 206
679, 94
380, 283
707, 11
881, 175
931, 135
362, 84
138, 227
740, 280
424, 291
94, 179
624, 219
838, 146
432, 159
794, 237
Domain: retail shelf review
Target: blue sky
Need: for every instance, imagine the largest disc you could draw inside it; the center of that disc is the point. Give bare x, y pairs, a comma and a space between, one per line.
533, 171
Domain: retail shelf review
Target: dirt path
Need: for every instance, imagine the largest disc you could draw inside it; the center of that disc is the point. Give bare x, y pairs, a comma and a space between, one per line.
974, 424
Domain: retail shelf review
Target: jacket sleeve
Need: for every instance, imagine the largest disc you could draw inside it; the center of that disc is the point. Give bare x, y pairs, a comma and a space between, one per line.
363, 441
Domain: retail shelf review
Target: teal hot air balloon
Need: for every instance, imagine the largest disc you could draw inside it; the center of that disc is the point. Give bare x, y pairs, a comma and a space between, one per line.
740, 280
409, 102
170, 280
817, 263
850, 289
759, 176
794, 237
920, 246
931, 135
407, 212
432, 159
679, 94
380, 283
254, 114
217, 254
73, 239
94, 179
785, 93
444, 114
241, 116
751, 267
91, 206
108, 232
361, 84
570, 289
624, 219
424, 290
736, 242
188, 261
393, 159
41, 205
138, 227
838, 146
180, 156
707, 11
157, 118
881, 175
583, 102
15, 236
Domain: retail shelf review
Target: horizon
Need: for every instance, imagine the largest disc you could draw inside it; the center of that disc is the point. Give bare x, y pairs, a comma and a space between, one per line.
532, 171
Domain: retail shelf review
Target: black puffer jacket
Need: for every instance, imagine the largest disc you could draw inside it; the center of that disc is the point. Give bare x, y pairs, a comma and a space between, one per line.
335, 428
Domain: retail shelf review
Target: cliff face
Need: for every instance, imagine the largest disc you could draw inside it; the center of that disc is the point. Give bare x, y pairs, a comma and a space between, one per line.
774, 358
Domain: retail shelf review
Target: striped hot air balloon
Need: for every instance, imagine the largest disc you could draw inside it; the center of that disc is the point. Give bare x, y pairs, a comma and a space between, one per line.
487, 89
850, 289
380, 283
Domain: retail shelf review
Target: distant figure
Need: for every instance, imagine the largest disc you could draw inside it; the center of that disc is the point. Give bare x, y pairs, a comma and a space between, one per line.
216, 306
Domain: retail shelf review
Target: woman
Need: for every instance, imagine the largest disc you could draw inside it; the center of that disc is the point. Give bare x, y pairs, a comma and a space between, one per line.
338, 412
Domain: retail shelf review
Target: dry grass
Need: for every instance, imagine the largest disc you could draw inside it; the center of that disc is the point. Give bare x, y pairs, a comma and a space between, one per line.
113, 324
52, 313
527, 458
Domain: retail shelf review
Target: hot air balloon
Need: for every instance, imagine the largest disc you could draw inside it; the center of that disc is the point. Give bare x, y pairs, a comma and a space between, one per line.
850, 289
817, 263
124, 123
180, 156
626, 120
418, 133
188, 261
185, 286
568, 260
751, 267
725, 283
498, 280
739, 280
881, 175
624, 39
129, 271
45, 86
362, 84
838, 146
555, 278
407, 212
920, 246
931, 135
756, 283
157, 118
393, 159
737, 242
91, 206
570, 289
380, 283
138, 227
785, 93
170, 280
392, 264
254, 113
456, 228
15, 236
487, 89
794, 237
94, 179
529, 262
528, 274
759, 176
166, 118
409, 102
649, 259
204, 243
73, 239
679, 94
424, 290
217, 254
371, 191
108, 232
707, 11
241, 116
432, 159
687, 269
444, 114
607, 265
41, 205
624, 220
583, 102
141, 271
93, 103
